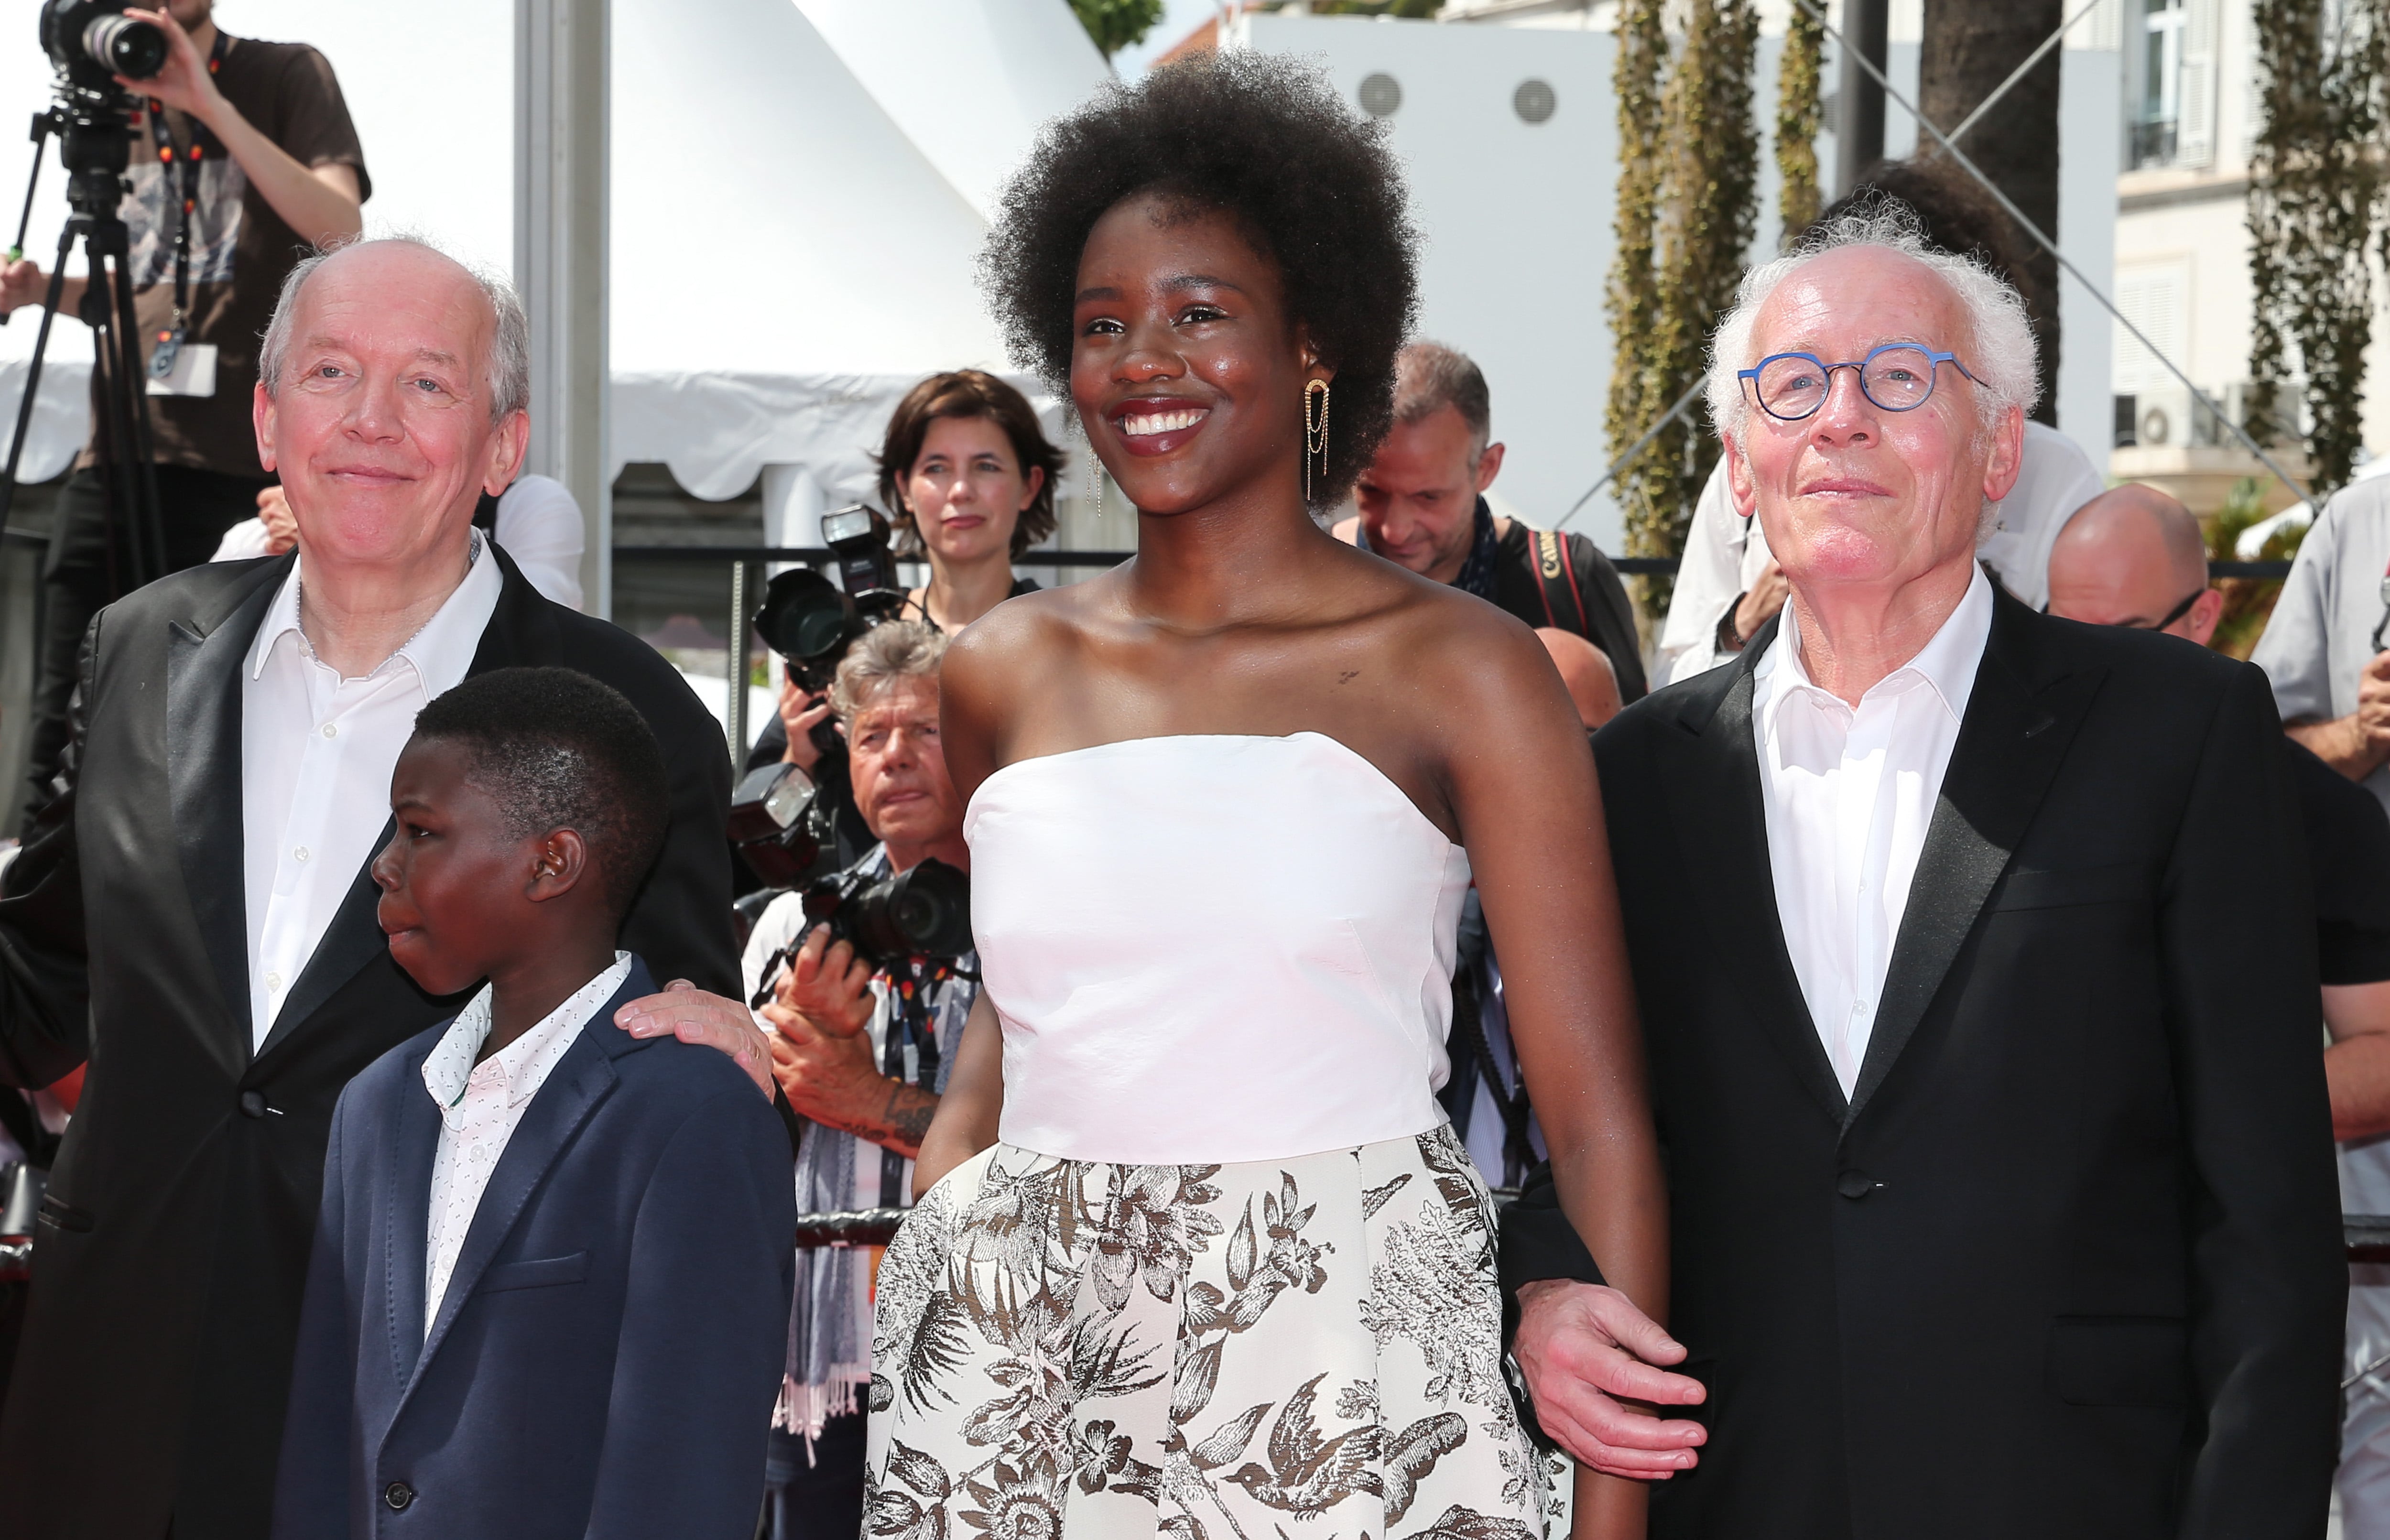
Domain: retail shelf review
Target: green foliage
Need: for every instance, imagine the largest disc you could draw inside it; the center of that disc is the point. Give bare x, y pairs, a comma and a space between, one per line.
1687, 203
1797, 111
2248, 602
1115, 24
1418, 11
2316, 206
1638, 390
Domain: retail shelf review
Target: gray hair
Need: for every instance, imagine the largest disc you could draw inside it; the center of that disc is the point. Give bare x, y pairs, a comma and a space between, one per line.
510, 361
900, 649
1999, 351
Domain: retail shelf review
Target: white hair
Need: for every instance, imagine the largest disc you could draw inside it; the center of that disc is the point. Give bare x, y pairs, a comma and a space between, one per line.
509, 360
1998, 350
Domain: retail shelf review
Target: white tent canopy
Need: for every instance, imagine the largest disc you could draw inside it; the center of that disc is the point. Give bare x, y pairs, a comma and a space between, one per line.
798, 197
968, 81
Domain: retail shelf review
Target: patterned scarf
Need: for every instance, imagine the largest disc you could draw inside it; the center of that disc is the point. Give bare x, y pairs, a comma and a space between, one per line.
829, 1317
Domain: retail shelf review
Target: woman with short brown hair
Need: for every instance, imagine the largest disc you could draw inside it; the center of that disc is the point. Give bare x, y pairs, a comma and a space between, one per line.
967, 477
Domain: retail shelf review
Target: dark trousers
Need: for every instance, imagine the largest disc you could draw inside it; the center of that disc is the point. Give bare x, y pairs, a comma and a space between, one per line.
85, 572
820, 1501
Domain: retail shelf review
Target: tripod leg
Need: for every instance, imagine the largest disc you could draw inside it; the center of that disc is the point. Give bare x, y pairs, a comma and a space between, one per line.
33, 372
116, 352
139, 447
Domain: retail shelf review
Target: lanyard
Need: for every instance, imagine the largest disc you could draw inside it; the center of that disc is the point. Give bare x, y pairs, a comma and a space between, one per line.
170, 341
911, 1054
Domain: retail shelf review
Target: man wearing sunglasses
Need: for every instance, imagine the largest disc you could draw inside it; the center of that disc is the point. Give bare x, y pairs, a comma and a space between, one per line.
2129, 552
2000, 1180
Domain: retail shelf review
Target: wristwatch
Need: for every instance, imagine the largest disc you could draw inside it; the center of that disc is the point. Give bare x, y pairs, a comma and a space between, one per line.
1729, 639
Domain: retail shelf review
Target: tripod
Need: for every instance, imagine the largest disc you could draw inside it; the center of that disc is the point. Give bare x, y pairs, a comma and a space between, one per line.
95, 148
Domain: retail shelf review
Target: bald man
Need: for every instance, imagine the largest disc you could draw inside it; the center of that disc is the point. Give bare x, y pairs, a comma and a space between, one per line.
2134, 557
1585, 669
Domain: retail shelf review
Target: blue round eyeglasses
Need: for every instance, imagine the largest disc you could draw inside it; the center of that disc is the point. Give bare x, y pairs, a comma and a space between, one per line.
1897, 377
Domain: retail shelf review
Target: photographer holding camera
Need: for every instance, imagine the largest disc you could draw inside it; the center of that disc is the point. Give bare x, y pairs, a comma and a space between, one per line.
968, 476
861, 1041
243, 158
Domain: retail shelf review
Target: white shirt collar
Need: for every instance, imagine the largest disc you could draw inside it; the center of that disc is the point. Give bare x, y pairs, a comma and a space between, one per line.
522, 1065
440, 653
1947, 661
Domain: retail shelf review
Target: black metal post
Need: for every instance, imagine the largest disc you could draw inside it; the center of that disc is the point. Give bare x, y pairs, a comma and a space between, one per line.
1858, 115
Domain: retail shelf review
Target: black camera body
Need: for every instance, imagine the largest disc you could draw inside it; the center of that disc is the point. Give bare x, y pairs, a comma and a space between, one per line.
811, 621
783, 830
922, 913
92, 41
782, 825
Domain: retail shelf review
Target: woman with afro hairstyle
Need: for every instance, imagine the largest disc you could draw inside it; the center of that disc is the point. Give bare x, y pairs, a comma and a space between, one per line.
1198, 1254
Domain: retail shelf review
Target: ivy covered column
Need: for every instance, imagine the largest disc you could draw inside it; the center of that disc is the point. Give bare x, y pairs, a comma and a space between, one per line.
2316, 205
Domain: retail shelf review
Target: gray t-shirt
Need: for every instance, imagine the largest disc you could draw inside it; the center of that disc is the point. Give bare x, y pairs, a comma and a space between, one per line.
2321, 633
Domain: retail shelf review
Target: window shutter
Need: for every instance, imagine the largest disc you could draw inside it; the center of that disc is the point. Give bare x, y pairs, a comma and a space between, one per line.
2195, 128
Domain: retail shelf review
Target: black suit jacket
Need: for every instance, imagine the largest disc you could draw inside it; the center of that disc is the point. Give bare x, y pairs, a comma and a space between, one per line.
2067, 1263
173, 1247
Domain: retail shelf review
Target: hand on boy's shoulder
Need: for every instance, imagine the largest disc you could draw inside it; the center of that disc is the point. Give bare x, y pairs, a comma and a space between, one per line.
684, 1011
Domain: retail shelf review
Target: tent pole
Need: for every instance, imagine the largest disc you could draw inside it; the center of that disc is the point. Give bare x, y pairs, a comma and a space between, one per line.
561, 151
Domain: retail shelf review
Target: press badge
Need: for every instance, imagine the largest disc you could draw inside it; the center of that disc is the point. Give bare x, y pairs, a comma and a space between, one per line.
192, 372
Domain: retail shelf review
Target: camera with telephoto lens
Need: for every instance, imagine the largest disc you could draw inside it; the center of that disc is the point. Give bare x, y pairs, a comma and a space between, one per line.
786, 824
811, 621
92, 43
921, 913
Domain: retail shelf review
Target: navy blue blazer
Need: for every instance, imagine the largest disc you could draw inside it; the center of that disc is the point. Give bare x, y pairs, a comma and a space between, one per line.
612, 1342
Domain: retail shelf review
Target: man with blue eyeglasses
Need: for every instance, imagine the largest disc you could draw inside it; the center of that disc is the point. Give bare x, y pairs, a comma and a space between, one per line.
1729, 584
2000, 1172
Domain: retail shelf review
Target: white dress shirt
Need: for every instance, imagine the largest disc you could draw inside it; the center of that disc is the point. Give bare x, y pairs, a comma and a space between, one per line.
316, 752
479, 1107
1848, 796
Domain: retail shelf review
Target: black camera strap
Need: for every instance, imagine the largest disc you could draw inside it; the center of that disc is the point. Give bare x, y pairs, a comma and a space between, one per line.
170, 341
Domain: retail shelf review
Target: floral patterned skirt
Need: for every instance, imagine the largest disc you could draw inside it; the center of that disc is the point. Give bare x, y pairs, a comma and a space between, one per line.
1069, 1350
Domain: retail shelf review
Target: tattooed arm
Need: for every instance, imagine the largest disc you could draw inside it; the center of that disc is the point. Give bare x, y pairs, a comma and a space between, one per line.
832, 1080
966, 1120
821, 1055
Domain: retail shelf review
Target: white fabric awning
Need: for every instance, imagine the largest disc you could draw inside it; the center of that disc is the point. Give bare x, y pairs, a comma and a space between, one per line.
800, 189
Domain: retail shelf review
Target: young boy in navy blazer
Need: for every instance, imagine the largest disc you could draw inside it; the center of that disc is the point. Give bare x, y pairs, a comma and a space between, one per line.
550, 1293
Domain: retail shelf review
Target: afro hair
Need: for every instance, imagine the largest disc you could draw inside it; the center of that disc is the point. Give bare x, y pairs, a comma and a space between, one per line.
555, 749
1267, 141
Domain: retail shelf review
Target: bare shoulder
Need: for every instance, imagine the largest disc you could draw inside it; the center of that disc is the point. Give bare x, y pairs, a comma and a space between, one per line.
1452, 638
994, 663
1024, 628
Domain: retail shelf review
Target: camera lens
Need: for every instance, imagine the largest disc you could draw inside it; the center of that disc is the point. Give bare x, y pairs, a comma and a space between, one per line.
126, 46
927, 912
803, 616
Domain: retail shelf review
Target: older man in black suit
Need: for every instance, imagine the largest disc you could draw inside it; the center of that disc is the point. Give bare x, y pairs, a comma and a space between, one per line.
1976, 967
194, 914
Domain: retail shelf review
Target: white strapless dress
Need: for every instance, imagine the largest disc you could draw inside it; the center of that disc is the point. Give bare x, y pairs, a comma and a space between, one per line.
1227, 1268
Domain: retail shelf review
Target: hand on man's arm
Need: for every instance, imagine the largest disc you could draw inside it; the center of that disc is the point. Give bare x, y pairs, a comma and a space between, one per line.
1587, 1352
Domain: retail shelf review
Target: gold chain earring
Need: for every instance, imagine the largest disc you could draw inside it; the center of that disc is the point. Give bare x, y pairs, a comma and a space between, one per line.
1095, 467
1314, 435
